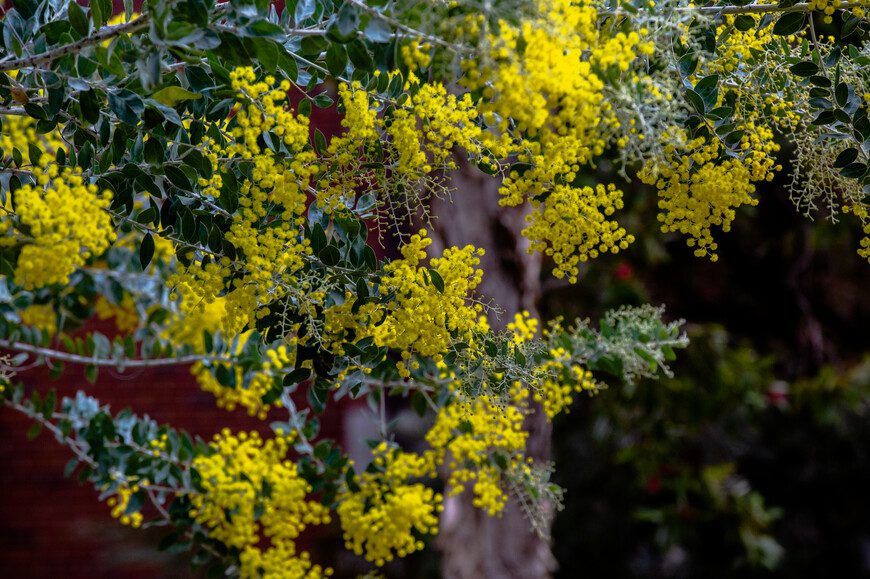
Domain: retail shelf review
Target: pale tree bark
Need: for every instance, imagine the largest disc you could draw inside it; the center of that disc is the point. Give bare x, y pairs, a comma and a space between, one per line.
475, 545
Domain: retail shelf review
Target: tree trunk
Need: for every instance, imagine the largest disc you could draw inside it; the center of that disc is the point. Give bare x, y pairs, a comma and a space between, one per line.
474, 544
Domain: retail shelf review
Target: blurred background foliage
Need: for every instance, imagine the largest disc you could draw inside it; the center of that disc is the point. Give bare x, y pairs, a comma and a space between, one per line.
753, 459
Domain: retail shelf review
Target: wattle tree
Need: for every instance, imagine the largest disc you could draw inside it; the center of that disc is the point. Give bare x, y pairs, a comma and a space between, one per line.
160, 168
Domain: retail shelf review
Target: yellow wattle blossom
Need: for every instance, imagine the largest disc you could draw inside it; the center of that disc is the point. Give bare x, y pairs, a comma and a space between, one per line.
248, 391
387, 515
121, 501
20, 132
471, 438
267, 227
251, 495
541, 89
562, 380
347, 151
861, 211
700, 189
571, 225
738, 47
125, 314
828, 7
68, 224
416, 56
524, 327
40, 316
433, 122
187, 328
421, 319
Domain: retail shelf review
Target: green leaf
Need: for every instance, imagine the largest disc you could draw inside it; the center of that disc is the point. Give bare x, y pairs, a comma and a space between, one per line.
695, 100
90, 106
296, 376
304, 108
346, 23
34, 152
268, 55
127, 106
804, 69
330, 255
744, 22
34, 430
336, 59
789, 23
172, 95
854, 170
154, 153
842, 94
319, 141
688, 63
146, 250
708, 89
323, 101
91, 373
77, 18
437, 280
177, 177
846, 157
148, 215
97, 13
359, 55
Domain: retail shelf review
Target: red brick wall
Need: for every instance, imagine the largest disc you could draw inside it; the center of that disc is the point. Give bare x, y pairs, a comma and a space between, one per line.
51, 526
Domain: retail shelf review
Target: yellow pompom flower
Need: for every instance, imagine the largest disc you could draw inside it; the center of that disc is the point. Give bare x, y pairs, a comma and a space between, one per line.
251, 495
67, 223
387, 515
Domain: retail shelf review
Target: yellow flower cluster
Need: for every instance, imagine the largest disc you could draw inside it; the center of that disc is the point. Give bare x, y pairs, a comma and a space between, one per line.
187, 327
864, 251
347, 151
248, 391
700, 189
828, 7
251, 495
125, 314
738, 47
267, 228
524, 327
555, 392
40, 316
861, 211
421, 319
621, 49
572, 226
541, 89
121, 501
416, 56
471, 437
19, 132
67, 223
385, 517
433, 122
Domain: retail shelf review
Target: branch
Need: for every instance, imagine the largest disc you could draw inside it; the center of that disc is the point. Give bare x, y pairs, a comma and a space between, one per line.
403, 27
120, 363
763, 8
101, 35
74, 445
